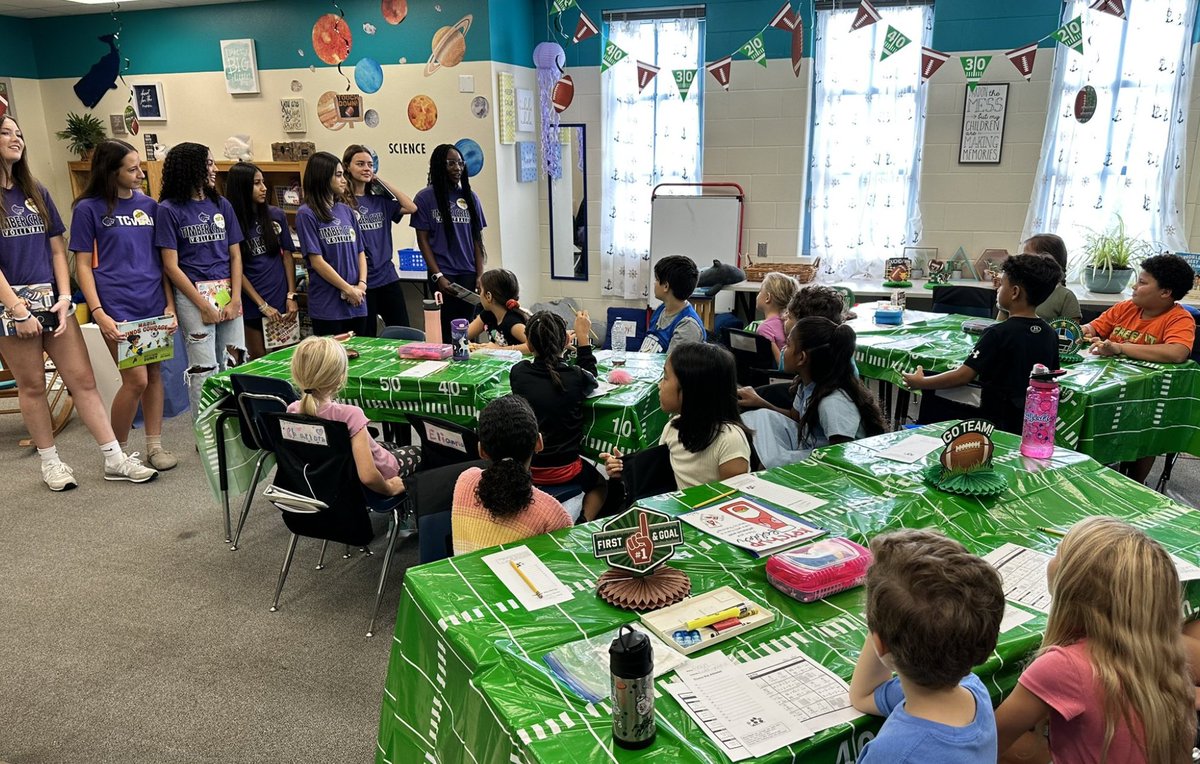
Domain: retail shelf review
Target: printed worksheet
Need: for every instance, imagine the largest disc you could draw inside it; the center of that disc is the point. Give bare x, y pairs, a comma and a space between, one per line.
789, 498
1014, 617
424, 368
912, 449
528, 578
1024, 573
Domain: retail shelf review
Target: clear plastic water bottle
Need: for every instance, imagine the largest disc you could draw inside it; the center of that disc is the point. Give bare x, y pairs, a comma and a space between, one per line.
458, 338
1041, 413
631, 663
621, 332
433, 321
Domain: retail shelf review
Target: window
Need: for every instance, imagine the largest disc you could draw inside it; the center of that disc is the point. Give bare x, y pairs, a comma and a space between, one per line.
1128, 159
649, 138
868, 128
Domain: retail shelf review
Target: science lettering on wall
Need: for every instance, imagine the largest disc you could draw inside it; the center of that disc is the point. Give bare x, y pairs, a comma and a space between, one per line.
984, 110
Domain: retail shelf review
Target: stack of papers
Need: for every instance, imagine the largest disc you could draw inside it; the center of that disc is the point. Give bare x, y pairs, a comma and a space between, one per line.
528, 578
912, 449
752, 526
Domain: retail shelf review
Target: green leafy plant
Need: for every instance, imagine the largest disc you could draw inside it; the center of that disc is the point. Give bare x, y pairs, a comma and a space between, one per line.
1113, 249
84, 131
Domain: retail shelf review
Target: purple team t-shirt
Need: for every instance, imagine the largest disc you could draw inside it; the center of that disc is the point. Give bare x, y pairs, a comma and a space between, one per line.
339, 242
375, 217
25, 238
127, 267
202, 233
456, 257
265, 270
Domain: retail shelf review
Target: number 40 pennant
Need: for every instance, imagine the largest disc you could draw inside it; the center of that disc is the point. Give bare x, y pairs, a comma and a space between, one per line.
893, 42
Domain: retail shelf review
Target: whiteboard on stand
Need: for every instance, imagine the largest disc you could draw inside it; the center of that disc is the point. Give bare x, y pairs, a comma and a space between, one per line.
704, 228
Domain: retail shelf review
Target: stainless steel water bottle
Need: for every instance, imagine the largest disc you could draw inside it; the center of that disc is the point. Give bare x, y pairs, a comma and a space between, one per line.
631, 661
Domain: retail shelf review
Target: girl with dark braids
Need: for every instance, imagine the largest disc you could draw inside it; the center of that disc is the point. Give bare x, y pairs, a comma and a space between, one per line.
499, 505
557, 391
449, 223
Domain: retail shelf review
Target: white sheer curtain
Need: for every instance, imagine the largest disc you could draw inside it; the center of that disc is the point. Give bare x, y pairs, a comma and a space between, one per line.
868, 129
649, 138
1129, 158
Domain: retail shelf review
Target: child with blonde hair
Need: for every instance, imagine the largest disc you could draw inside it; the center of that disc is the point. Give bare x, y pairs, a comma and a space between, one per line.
773, 298
1111, 676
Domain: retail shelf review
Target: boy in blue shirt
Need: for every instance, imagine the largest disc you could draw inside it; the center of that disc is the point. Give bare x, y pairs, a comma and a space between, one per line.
933, 612
675, 321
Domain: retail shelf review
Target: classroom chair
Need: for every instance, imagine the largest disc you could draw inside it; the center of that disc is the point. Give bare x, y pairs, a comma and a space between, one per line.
965, 300
1169, 460
228, 408
444, 443
638, 316
252, 406
401, 333
646, 473
58, 398
752, 353
777, 394
429, 495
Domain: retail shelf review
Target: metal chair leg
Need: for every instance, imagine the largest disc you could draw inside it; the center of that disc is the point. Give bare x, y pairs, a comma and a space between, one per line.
321, 559
387, 564
222, 466
1168, 466
258, 465
287, 563
346, 556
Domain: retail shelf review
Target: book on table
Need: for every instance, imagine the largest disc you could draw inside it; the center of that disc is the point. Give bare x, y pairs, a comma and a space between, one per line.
145, 341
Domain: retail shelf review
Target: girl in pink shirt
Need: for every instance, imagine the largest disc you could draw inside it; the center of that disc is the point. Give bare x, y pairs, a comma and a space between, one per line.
1111, 678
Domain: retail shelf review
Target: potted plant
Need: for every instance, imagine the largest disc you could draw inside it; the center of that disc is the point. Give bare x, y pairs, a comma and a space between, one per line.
1111, 257
84, 131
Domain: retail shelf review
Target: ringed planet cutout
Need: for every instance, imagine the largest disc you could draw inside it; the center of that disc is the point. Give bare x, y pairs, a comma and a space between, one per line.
449, 45
422, 112
331, 39
472, 156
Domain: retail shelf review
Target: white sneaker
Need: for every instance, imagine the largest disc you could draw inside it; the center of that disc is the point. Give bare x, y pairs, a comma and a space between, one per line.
58, 476
162, 460
131, 469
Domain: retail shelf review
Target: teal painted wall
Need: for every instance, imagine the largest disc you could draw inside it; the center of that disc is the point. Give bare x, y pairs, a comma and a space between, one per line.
17, 59
516, 26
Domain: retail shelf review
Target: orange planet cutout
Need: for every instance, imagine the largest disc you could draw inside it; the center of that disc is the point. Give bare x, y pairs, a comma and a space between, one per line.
422, 112
331, 39
327, 111
394, 11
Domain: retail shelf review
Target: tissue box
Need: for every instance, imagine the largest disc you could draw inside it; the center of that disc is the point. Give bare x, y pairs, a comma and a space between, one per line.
425, 351
889, 314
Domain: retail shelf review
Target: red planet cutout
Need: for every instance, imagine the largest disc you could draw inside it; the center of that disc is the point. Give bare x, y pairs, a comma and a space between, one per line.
563, 93
331, 39
1085, 103
394, 11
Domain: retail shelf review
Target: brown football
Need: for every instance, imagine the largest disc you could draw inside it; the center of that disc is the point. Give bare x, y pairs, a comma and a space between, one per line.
967, 451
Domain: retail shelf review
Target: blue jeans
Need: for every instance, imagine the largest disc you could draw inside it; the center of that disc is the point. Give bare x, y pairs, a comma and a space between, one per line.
202, 342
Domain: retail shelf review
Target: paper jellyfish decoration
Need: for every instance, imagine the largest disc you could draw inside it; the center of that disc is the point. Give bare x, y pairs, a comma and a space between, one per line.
549, 58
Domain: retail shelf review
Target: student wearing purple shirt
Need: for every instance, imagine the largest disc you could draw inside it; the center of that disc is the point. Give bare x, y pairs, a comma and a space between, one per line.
329, 238
376, 213
200, 240
449, 224
268, 272
120, 273
32, 251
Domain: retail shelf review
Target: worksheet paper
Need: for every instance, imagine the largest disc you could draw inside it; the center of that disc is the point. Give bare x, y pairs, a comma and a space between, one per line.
553, 591
912, 449
424, 368
602, 388
758, 486
1187, 571
747, 524
1023, 571
1014, 617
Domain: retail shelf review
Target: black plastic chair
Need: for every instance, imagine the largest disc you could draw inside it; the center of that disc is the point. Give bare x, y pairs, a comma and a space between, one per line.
777, 394
1169, 460
230, 408
752, 353
402, 333
429, 495
252, 406
647, 473
316, 465
444, 443
965, 300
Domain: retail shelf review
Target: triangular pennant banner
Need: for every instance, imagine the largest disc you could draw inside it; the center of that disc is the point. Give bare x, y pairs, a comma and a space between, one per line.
797, 45
931, 61
1022, 58
785, 19
683, 80
866, 16
973, 68
585, 28
1071, 34
720, 70
893, 42
612, 54
561, 5
755, 50
1112, 7
646, 73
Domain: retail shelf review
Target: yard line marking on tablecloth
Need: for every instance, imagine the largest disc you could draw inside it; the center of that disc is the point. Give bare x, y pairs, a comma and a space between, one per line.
566, 615
382, 753
524, 735
465, 616
539, 732
553, 725
430, 758
591, 709
501, 607
478, 613
567, 721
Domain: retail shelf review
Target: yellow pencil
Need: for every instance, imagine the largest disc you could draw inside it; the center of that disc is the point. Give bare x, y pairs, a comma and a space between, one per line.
591, 332
718, 497
1052, 531
525, 578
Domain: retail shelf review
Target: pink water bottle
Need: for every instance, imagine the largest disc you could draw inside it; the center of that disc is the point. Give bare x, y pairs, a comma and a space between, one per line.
433, 322
1041, 413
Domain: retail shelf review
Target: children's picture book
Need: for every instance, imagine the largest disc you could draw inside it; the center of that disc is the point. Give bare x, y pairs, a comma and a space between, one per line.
145, 341
40, 300
217, 292
747, 524
281, 332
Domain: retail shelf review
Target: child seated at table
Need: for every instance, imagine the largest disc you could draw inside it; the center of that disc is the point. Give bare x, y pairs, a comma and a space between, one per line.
705, 435
1062, 302
557, 391
831, 404
319, 368
1006, 353
499, 504
1111, 677
675, 321
933, 613
501, 322
773, 299
814, 300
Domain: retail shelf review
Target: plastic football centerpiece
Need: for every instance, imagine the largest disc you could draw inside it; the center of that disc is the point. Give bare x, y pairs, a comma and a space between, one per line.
965, 465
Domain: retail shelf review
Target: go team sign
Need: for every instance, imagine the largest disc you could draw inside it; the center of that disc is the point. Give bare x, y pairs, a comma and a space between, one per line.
638, 540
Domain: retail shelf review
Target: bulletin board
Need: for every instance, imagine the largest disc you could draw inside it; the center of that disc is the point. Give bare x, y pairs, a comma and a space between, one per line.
704, 227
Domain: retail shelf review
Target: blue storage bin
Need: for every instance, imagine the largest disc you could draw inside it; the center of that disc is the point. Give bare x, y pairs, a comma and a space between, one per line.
411, 260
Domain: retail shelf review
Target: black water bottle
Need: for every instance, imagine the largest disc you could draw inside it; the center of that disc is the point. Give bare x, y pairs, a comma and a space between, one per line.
631, 661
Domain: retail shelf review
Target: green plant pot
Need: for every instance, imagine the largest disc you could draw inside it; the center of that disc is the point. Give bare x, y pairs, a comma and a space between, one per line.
1104, 281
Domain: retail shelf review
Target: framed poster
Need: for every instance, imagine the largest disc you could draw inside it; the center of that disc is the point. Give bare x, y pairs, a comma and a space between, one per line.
6, 98
116, 125
527, 161
292, 112
506, 106
240, 66
148, 101
524, 110
983, 124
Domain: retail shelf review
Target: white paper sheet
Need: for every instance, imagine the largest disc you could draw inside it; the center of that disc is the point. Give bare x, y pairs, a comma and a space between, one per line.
752, 526
1187, 571
1014, 617
602, 388
788, 498
424, 368
912, 449
1024, 573
907, 343
552, 590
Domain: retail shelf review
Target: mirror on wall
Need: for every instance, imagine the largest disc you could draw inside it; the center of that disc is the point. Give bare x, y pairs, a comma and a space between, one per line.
568, 208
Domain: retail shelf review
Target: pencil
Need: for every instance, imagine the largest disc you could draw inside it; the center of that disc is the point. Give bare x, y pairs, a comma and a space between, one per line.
718, 497
525, 578
1052, 531
591, 332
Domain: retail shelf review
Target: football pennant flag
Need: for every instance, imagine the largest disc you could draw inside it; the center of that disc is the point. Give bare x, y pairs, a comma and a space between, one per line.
720, 70
1112, 7
561, 5
866, 16
893, 42
973, 68
1022, 58
755, 50
931, 61
646, 73
1071, 34
786, 19
797, 45
612, 54
683, 80
585, 28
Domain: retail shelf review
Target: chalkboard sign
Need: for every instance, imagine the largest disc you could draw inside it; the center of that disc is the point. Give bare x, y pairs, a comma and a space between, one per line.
983, 124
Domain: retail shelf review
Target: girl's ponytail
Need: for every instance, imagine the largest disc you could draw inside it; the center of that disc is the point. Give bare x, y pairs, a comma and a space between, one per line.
505, 487
546, 334
508, 435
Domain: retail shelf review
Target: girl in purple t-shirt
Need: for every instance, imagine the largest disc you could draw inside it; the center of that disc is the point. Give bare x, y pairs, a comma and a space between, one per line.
330, 239
200, 240
32, 252
120, 273
268, 271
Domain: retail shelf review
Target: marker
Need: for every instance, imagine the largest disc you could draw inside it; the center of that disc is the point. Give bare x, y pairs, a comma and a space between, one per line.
737, 611
525, 578
1052, 531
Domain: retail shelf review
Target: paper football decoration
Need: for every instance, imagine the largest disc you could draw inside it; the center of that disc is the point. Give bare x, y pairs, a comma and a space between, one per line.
563, 93
965, 465
967, 452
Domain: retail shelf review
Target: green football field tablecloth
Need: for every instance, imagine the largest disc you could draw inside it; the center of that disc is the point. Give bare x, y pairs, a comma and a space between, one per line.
467, 683
1111, 409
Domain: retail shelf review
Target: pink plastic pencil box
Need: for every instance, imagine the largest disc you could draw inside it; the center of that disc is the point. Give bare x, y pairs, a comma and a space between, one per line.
820, 569
426, 351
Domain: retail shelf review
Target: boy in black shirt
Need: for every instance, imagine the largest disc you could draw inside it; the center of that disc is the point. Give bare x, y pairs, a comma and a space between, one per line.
1006, 353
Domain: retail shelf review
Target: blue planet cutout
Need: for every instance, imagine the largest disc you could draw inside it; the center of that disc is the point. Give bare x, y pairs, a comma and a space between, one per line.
472, 155
368, 74
374, 160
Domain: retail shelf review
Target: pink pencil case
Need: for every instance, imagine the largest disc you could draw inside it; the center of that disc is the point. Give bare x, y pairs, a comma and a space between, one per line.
820, 569
426, 351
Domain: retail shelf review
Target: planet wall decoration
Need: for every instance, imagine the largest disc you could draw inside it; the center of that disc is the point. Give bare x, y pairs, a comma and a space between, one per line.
480, 107
394, 11
368, 75
327, 110
449, 46
472, 156
422, 112
371, 118
331, 39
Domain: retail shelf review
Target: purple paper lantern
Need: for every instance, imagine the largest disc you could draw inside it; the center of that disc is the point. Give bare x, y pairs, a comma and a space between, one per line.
549, 58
